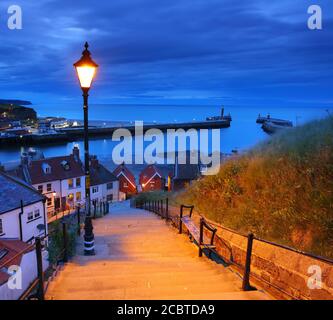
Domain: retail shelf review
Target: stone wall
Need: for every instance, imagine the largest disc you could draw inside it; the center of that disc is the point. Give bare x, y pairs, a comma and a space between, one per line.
281, 271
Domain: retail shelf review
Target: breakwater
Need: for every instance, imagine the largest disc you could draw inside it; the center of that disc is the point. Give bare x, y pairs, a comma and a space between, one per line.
76, 133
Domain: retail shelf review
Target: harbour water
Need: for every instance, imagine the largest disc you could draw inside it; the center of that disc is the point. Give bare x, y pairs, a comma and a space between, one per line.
243, 133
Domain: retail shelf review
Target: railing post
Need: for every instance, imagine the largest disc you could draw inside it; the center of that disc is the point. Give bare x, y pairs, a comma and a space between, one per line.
40, 274
201, 236
167, 209
78, 221
64, 234
180, 220
246, 278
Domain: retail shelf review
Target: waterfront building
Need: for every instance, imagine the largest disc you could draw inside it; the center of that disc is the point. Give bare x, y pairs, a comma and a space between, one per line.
104, 185
60, 179
127, 184
22, 210
183, 174
151, 179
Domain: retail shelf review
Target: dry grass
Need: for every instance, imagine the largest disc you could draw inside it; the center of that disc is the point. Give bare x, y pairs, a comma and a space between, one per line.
281, 190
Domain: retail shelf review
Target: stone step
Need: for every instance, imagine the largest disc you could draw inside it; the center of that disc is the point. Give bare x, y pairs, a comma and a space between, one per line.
158, 281
139, 256
110, 291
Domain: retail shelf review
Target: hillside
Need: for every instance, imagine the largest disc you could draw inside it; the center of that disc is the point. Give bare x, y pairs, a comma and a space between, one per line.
282, 190
16, 112
16, 102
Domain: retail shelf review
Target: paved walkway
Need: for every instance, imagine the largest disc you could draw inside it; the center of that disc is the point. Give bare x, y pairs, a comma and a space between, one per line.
139, 256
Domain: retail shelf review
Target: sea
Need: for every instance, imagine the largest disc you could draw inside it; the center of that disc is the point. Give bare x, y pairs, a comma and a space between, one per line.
243, 133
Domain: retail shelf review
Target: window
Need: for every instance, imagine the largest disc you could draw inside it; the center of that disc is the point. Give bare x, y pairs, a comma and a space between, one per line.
49, 187
37, 213
109, 197
70, 197
3, 253
125, 185
109, 186
1, 228
46, 168
78, 196
94, 189
40, 188
78, 182
49, 202
70, 183
30, 216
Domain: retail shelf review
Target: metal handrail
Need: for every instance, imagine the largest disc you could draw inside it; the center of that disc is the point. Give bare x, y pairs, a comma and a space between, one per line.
246, 267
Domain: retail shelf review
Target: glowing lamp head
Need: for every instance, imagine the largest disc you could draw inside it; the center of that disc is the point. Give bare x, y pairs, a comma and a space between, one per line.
86, 69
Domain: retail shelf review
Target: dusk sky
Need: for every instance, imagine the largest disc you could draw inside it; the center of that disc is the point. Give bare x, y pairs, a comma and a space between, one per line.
246, 52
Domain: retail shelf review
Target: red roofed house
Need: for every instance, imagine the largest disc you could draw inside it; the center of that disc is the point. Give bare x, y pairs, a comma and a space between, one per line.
151, 179
127, 184
60, 179
13, 254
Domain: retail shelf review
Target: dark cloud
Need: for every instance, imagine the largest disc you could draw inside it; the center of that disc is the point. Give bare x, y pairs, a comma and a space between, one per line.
213, 50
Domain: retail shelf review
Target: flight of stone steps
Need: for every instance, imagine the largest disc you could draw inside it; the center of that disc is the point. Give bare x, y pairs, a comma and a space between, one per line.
139, 256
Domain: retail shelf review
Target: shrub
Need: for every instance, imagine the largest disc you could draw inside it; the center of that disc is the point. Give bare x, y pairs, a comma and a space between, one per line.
282, 189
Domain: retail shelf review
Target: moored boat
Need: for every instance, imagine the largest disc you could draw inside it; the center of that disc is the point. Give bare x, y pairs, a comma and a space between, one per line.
272, 127
276, 121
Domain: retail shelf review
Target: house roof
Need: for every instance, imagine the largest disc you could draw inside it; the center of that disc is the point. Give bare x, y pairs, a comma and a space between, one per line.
13, 251
58, 172
186, 171
13, 190
123, 170
148, 173
100, 175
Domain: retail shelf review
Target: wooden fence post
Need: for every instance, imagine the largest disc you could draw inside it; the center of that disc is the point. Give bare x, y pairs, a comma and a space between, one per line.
246, 278
40, 273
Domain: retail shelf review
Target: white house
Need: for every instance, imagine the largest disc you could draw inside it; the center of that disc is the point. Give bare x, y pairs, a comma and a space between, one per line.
18, 253
22, 210
104, 185
60, 179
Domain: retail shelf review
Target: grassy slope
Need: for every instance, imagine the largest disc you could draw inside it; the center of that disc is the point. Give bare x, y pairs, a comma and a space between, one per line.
282, 190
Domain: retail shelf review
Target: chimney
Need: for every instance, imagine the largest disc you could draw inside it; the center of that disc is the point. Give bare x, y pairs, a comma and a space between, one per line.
76, 153
94, 162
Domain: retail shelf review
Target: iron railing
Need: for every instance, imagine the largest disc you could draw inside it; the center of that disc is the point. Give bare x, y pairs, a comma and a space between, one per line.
162, 208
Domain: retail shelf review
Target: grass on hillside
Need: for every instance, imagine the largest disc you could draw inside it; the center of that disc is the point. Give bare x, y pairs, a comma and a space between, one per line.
282, 190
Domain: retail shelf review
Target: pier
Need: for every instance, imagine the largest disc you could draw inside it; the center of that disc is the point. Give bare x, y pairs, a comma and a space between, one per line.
75, 133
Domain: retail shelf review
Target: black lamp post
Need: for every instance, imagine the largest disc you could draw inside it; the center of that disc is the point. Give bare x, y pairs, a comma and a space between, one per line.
86, 70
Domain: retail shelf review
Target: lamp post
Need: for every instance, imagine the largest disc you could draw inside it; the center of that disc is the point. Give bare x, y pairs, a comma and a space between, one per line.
86, 70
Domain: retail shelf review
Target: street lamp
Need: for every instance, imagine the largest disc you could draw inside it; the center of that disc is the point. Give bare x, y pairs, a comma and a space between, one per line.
86, 69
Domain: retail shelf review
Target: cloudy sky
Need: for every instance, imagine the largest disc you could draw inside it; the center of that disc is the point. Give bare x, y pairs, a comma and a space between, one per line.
245, 52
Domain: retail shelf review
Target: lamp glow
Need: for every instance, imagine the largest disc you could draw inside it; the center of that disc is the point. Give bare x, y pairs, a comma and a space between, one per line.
86, 75
86, 69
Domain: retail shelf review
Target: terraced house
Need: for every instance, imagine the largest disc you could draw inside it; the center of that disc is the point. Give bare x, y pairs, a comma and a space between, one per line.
60, 179
22, 210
